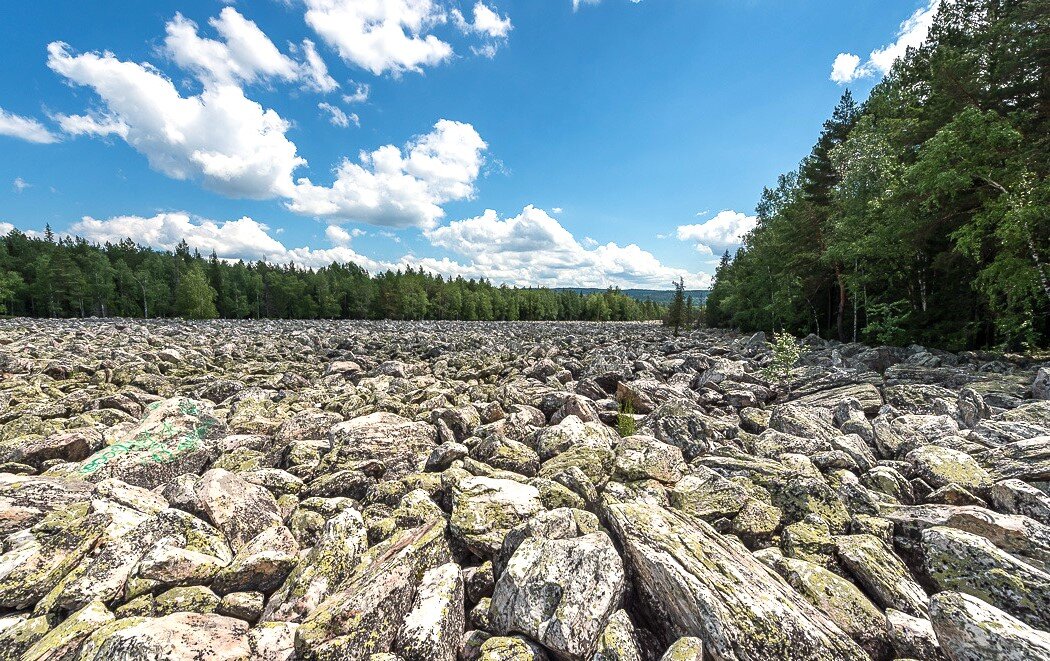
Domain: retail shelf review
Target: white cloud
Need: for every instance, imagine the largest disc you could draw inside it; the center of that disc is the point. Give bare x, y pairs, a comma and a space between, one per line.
556, 209
236, 147
20, 184
337, 235
400, 188
726, 229
244, 238
314, 72
844, 70
338, 117
245, 53
486, 23
381, 35
534, 248
230, 143
911, 34
6, 228
359, 95
92, 124
25, 128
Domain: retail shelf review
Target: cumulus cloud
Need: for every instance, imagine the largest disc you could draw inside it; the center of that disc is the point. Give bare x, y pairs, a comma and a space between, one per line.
20, 184
338, 117
400, 187
230, 143
359, 95
6, 228
92, 124
244, 238
726, 229
381, 35
911, 34
534, 248
245, 53
337, 235
236, 147
488, 24
25, 128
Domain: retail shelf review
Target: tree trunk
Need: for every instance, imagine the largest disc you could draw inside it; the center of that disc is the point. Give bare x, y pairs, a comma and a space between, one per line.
842, 302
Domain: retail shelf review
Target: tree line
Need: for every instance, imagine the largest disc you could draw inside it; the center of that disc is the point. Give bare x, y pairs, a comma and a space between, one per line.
923, 214
70, 277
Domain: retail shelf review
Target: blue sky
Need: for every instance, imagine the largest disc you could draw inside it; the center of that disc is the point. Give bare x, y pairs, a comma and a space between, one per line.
529, 141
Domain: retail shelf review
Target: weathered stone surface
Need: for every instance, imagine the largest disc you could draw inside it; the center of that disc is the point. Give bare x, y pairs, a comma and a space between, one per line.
698, 583
288, 475
484, 509
239, 509
175, 637
366, 612
964, 562
433, 629
969, 629
882, 573
560, 592
330, 561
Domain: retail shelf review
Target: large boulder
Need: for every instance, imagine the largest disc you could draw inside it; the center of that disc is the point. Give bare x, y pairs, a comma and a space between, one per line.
434, 628
329, 562
485, 508
365, 614
177, 436
969, 629
964, 562
560, 592
401, 444
696, 582
176, 637
240, 509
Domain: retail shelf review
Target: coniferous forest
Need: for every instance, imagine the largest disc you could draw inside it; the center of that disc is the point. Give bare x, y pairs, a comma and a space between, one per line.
69, 277
923, 214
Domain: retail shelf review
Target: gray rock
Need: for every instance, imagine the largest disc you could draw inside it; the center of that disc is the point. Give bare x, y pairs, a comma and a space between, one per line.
968, 629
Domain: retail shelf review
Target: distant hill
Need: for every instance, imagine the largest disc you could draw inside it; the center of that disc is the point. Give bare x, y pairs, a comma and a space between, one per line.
662, 296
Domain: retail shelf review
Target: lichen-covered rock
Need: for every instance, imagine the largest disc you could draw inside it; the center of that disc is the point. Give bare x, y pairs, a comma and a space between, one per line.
939, 467
698, 583
239, 509
706, 494
969, 629
330, 561
912, 637
63, 641
560, 592
687, 648
1018, 497
364, 615
401, 444
433, 628
618, 642
841, 601
511, 648
964, 562
642, 457
882, 573
261, 565
175, 637
484, 509
177, 436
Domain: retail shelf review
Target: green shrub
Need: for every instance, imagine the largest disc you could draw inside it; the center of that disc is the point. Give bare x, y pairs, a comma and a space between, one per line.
625, 425
786, 352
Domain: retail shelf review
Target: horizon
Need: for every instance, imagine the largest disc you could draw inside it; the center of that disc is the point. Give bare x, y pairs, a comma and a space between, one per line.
125, 128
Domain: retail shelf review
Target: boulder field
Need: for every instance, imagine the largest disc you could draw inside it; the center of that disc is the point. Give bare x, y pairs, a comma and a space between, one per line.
442, 491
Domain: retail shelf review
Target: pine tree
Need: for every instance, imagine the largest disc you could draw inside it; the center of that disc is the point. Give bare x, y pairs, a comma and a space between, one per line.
677, 310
